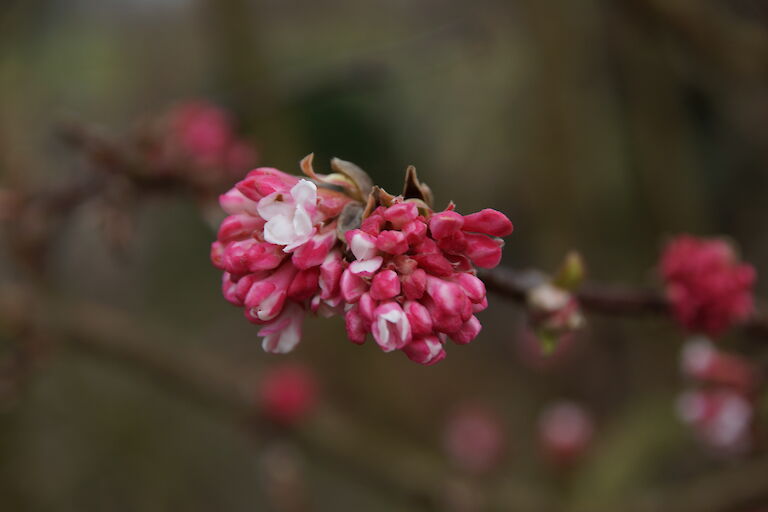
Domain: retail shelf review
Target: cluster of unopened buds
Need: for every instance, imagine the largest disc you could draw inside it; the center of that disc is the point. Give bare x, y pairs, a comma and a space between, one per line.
708, 288
337, 245
721, 406
198, 137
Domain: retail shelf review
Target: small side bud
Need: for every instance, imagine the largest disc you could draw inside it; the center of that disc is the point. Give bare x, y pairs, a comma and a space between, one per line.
571, 273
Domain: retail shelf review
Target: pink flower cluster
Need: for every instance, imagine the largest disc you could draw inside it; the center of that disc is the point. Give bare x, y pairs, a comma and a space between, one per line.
708, 288
412, 284
406, 275
203, 135
720, 409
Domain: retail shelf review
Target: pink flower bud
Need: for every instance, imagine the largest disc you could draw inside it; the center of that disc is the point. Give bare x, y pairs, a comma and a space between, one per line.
415, 231
419, 318
357, 326
367, 305
362, 245
385, 285
473, 287
565, 432
454, 244
330, 274
314, 251
304, 284
282, 334
287, 394
434, 263
427, 350
390, 327
228, 289
468, 331
415, 284
401, 214
489, 222
266, 297
448, 304
392, 242
352, 286
445, 224
250, 255
484, 252
373, 224
234, 202
237, 227
264, 181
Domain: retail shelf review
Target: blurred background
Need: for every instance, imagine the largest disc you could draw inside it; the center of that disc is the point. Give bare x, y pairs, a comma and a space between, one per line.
604, 126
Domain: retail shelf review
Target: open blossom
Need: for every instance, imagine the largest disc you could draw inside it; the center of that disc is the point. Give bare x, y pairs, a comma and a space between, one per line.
333, 244
708, 288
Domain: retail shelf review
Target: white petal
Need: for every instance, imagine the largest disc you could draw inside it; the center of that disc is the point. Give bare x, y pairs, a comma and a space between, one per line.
304, 193
366, 267
298, 241
302, 223
270, 207
362, 247
282, 335
279, 230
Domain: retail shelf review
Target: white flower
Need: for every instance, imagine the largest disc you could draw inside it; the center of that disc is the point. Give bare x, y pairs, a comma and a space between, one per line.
290, 219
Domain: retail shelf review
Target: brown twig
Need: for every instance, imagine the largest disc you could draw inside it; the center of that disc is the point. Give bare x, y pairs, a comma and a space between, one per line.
603, 299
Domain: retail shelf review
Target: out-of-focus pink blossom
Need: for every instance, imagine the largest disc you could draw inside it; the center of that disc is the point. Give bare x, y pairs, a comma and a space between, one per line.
706, 364
287, 394
721, 419
565, 432
202, 135
708, 289
474, 438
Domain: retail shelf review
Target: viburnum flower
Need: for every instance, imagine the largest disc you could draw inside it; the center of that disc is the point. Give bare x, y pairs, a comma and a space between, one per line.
708, 289
335, 244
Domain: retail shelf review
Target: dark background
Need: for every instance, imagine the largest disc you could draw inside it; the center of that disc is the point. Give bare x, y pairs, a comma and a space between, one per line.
604, 126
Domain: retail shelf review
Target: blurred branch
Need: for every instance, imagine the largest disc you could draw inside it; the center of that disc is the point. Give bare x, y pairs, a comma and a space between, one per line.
602, 299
